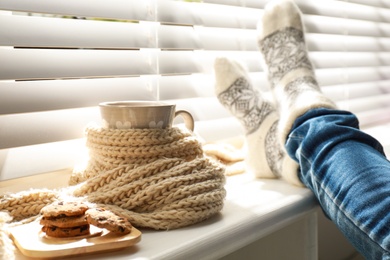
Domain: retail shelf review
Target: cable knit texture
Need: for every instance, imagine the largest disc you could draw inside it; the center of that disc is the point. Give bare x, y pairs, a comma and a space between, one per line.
157, 178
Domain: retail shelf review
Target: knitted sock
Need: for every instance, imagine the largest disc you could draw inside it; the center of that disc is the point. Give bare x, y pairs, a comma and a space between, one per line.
258, 117
290, 72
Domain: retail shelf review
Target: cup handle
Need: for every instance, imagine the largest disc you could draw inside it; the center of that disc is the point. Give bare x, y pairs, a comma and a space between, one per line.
187, 117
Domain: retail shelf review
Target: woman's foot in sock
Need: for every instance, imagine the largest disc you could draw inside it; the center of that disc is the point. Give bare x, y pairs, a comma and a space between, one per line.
258, 117
287, 64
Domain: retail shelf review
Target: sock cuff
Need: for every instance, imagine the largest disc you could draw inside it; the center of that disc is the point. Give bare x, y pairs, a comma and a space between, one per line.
306, 101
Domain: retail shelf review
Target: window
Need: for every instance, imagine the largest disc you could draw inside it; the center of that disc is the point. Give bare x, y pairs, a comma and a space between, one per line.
59, 59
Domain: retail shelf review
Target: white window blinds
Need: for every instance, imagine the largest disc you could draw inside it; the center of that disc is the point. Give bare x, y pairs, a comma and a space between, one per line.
59, 59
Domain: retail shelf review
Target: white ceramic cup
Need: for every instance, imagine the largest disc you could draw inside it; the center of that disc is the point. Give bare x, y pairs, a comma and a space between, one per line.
141, 115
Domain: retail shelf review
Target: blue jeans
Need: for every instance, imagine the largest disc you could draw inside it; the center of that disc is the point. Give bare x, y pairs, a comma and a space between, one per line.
348, 173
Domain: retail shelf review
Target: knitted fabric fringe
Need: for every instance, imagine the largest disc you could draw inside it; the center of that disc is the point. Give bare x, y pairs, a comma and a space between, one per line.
157, 178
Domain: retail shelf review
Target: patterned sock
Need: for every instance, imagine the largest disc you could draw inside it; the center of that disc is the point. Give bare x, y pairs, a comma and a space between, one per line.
258, 117
290, 72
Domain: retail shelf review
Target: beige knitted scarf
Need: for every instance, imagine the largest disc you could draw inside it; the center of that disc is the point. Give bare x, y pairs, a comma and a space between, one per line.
157, 178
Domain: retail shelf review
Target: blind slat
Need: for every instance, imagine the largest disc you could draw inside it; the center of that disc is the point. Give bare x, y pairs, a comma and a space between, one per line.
372, 10
18, 30
45, 127
44, 95
345, 9
376, 3
345, 26
337, 76
333, 43
357, 90
373, 117
366, 103
46, 63
114, 9
349, 59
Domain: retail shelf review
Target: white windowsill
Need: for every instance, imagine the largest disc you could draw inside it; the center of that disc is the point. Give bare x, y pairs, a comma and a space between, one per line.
253, 209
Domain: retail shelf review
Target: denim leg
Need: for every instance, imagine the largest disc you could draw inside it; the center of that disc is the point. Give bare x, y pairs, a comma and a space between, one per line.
349, 174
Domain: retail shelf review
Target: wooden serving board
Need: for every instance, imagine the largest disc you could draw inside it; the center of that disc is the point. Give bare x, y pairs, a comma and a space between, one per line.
32, 242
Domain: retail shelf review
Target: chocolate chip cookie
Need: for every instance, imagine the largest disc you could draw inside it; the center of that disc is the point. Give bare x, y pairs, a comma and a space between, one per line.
66, 232
64, 208
103, 218
64, 222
